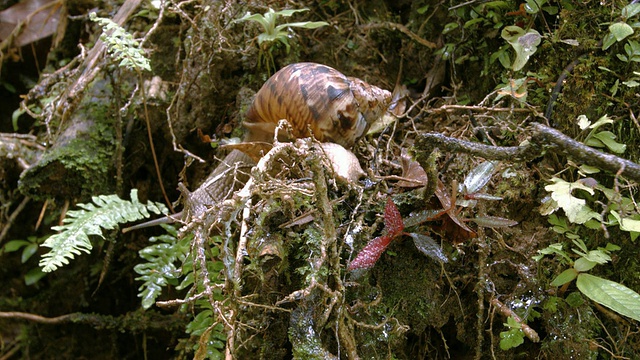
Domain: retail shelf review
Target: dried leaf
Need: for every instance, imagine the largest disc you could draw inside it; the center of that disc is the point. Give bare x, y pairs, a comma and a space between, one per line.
38, 19
412, 171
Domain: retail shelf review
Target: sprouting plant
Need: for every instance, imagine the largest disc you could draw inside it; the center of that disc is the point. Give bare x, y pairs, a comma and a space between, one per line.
621, 30
273, 34
106, 212
513, 337
613, 295
29, 248
600, 139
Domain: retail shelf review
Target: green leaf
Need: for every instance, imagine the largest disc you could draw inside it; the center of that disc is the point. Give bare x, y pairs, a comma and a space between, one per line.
303, 24
608, 40
630, 10
582, 265
620, 30
565, 277
598, 256
15, 245
524, 43
603, 120
290, 12
613, 295
626, 224
106, 212
33, 276
608, 139
28, 252
162, 264
512, 338
553, 249
423, 9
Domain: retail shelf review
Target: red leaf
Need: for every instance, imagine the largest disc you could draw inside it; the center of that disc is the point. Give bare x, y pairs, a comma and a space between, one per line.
392, 219
370, 254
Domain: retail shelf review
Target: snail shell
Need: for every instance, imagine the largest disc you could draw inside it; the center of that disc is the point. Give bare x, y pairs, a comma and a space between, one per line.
316, 100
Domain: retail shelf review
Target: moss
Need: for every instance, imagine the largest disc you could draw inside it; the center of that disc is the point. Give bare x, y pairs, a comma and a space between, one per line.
79, 164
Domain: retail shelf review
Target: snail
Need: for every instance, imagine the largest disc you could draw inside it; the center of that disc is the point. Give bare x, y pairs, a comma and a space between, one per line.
316, 100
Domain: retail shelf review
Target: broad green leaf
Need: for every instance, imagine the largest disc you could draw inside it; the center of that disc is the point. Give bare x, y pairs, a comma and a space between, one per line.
608, 139
28, 252
33, 276
608, 40
626, 224
582, 265
512, 338
565, 277
524, 43
613, 295
620, 30
14, 245
597, 256
630, 10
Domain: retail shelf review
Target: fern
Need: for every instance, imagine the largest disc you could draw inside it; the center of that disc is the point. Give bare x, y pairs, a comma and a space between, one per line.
107, 213
121, 45
160, 269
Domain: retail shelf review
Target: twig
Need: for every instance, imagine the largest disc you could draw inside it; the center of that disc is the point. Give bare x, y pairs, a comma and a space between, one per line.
13, 217
403, 29
542, 138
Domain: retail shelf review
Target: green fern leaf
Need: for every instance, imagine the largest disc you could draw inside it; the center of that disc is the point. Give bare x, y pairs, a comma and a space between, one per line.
160, 269
108, 212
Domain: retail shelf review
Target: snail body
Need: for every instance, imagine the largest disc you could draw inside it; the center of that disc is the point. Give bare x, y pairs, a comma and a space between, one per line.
316, 100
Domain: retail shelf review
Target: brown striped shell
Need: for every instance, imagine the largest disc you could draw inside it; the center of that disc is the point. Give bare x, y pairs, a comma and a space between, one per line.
319, 98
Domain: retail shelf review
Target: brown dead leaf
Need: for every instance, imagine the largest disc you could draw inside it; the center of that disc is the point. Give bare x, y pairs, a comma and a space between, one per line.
411, 171
32, 20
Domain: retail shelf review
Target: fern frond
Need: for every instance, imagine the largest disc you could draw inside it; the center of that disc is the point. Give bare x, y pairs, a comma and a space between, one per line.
160, 269
108, 212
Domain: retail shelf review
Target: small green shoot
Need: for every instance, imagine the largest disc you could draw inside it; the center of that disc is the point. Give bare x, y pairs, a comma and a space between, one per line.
621, 30
613, 295
274, 34
513, 337
600, 139
29, 248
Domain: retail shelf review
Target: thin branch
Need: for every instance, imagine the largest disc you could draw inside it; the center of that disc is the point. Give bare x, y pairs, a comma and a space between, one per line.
542, 138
